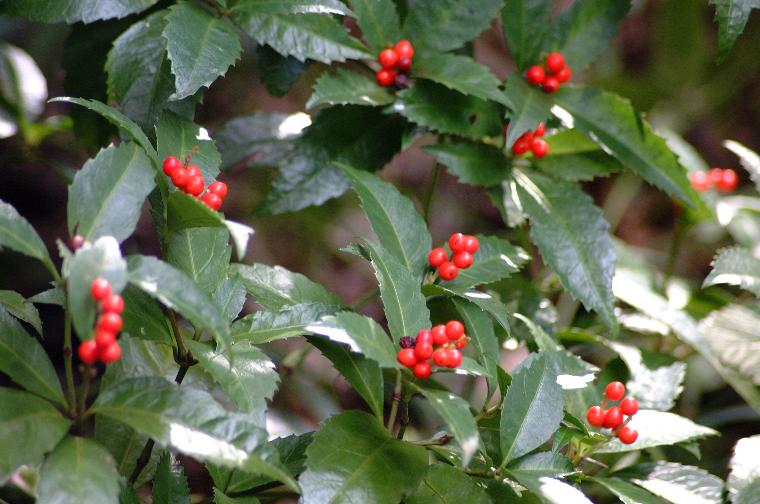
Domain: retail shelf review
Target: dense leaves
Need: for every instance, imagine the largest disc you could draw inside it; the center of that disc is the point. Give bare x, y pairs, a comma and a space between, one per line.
72, 11
429, 23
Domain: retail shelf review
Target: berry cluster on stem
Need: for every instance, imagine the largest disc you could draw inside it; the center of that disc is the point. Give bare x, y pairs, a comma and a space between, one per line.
532, 141
612, 418
417, 353
187, 177
556, 73
104, 345
722, 179
396, 63
462, 247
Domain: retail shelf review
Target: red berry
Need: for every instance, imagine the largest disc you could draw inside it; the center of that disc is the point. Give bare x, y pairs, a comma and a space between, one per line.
388, 58
448, 271
555, 62
171, 164
521, 146
456, 242
539, 147
407, 357
728, 181
110, 322
551, 85
461, 342
218, 188
88, 351
540, 130
385, 77
422, 370
100, 289
471, 244
439, 334
180, 177
110, 354
715, 175
211, 200
535, 75
454, 329
613, 418
455, 358
614, 391
423, 350
404, 64
76, 242
700, 181
112, 304
629, 406
425, 336
627, 435
463, 260
595, 416
437, 256
441, 357
404, 49
564, 75
195, 185
104, 338
193, 171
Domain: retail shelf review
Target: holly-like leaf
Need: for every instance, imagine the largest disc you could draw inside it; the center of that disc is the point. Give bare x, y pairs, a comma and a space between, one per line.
745, 470
107, 194
278, 73
203, 254
170, 483
573, 238
732, 334
528, 106
575, 157
176, 136
627, 493
472, 162
379, 22
230, 297
444, 484
464, 115
735, 266
287, 322
360, 460
486, 301
525, 24
184, 211
748, 158
731, 16
495, 259
295, 6
654, 383
143, 317
17, 234
658, 428
479, 328
259, 139
72, 11
430, 27
29, 428
679, 484
21, 308
274, 287
460, 73
345, 87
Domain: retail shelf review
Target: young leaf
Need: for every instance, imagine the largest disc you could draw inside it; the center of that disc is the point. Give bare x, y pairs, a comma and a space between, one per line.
274, 287
745, 470
479, 327
528, 106
176, 136
472, 162
430, 27
345, 87
355, 453
731, 16
170, 483
379, 22
573, 238
658, 428
732, 334
17, 234
460, 73
78, 470
203, 254
627, 492
21, 308
72, 11
143, 317
287, 322
443, 484
107, 194
679, 484
735, 266
494, 260
525, 24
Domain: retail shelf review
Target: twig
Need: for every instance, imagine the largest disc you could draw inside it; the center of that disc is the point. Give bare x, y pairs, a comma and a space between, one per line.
394, 404
67, 354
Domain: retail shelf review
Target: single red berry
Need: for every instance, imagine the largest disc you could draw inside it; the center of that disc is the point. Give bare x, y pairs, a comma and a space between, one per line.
193, 171
388, 58
404, 49
715, 175
112, 304
539, 147
88, 351
614, 391
109, 322
407, 357
728, 181
521, 146
76, 242
629, 406
612, 418
471, 244
463, 260
535, 75
454, 329
195, 185
439, 334
455, 358
540, 130
627, 435
110, 354
385, 77
423, 350
437, 256
422, 370
448, 271
595, 416
171, 164
462, 342
555, 62
564, 75
700, 181
456, 242
425, 336
211, 200
180, 177
100, 289
218, 188
441, 357
528, 136
404, 64
551, 85
104, 338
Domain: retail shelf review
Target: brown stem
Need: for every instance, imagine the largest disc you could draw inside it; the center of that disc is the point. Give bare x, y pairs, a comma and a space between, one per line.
394, 404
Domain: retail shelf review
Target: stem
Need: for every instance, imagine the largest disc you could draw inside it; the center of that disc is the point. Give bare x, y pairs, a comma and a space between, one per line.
85, 389
364, 299
67, 354
431, 191
394, 404
182, 351
404, 419
439, 441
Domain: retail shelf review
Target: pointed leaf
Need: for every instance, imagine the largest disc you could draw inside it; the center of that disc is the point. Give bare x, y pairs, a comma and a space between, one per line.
345, 87
732, 334
230, 297
459, 73
653, 383
748, 158
279, 73
184, 211
286, 322
221, 498
274, 287
203, 254
295, 6
731, 16
494, 260
430, 27
143, 317
71, 11
17, 234
21, 308
679, 484
170, 483
735, 266
658, 428
536, 465
528, 106
379, 22
444, 484
628, 493
486, 301
574, 157
525, 24
472, 163
479, 327
176, 136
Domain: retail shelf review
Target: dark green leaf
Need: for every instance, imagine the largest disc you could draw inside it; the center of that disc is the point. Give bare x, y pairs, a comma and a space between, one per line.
731, 16
679, 484
479, 327
170, 484
537, 465
71, 11
294, 6
486, 301
430, 27
203, 254
184, 211
735, 266
494, 260
528, 106
259, 139
21, 308
278, 73
230, 297
17, 234
543, 341
176, 136
732, 334
286, 322
345, 87
274, 287
626, 492
53, 296
460, 73
657, 428
143, 317
362, 335
583, 166
525, 24
472, 162
360, 460
445, 484
379, 22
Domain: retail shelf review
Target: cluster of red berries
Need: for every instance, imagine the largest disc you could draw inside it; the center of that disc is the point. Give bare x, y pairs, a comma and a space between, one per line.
462, 246
723, 179
532, 141
416, 352
612, 418
104, 345
559, 73
395, 64
189, 180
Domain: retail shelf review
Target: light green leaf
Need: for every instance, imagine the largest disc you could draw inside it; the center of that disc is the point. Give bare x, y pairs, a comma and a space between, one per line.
430, 27
575, 157
230, 297
543, 341
479, 327
21, 308
346, 87
657, 428
445, 484
627, 492
732, 334
749, 494
735, 266
17, 234
170, 483
495, 259
745, 470
23, 89
472, 162
221, 498
653, 383
176, 136
274, 287
537, 465
287, 322
525, 23
554, 491
203, 254
460, 73
184, 211
379, 22
731, 16
679, 484
52, 296
71, 11
528, 106
748, 158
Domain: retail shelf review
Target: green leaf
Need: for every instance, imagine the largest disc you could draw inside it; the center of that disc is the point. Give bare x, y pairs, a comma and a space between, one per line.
360, 460
184, 211
203, 254
468, 116
221, 498
654, 384
430, 27
525, 23
621, 131
295, 6
78, 470
731, 16
259, 139
626, 492
677, 483
479, 327
17, 234
735, 266
657, 428
230, 296
444, 484
274, 287
278, 73
24, 89
554, 491
318, 37
178, 292
52, 296
543, 341
364, 374
536, 465
528, 106
472, 163
345, 87
460, 73
379, 22
532, 408
486, 301
732, 334
29, 428
71, 11
170, 483
745, 470
176, 136
584, 166
573, 238
286, 322
143, 317
584, 31
399, 227
200, 47
748, 158
107, 194
748, 494
494, 260
21, 308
